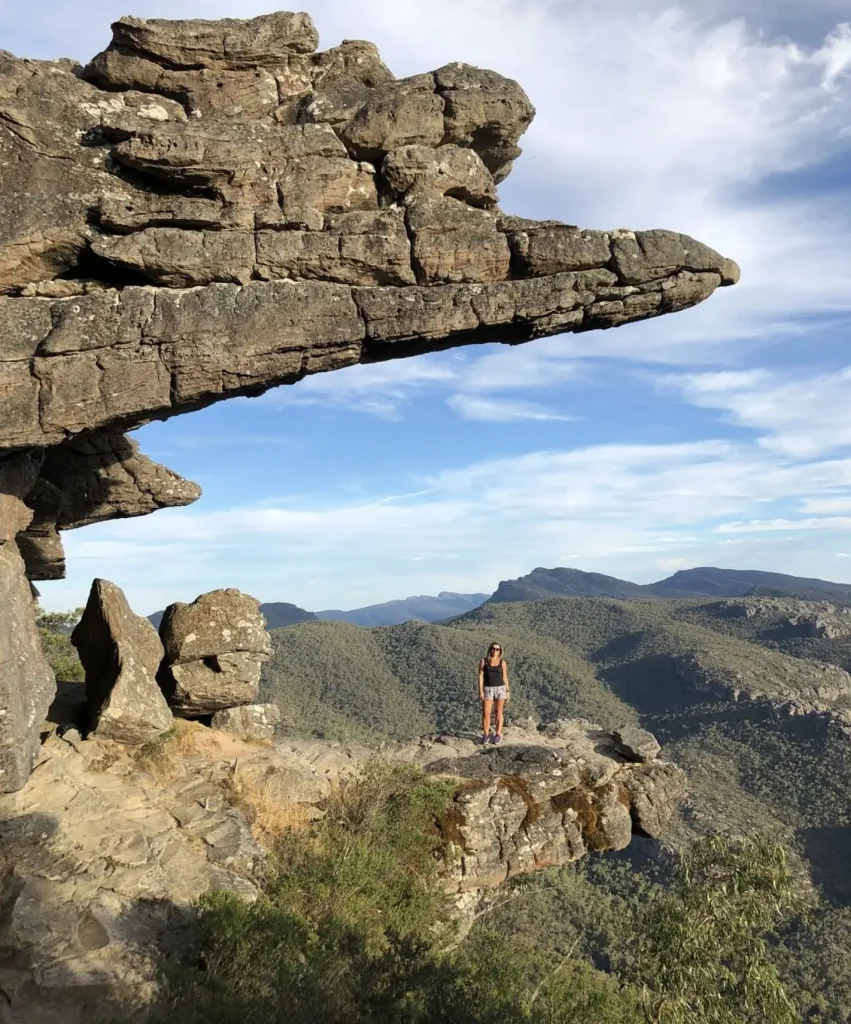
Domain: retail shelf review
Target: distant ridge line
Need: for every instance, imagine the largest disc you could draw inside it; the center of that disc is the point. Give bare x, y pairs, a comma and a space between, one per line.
703, 581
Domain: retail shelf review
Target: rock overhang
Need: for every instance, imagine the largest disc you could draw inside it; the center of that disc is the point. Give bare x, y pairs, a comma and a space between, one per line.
213, 208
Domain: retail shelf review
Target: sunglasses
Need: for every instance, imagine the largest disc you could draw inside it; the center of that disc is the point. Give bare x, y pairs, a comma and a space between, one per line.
497, 649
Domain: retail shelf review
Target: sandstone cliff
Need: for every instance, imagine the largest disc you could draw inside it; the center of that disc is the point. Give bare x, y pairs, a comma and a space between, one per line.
210, 209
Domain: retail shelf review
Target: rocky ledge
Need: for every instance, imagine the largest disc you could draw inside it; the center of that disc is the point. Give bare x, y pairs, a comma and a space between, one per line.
105, 848
551, 799
209, 209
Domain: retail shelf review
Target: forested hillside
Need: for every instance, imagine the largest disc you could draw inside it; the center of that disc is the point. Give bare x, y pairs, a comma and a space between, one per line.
747, 695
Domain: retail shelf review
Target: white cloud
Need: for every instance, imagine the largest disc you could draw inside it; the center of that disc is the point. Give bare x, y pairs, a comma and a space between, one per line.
764, 525
624, 509
381, 389
801, 415
501, 410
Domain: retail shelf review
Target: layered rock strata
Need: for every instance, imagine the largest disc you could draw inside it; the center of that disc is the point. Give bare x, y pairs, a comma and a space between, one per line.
214, 208
214, 651
148, 174
121, 654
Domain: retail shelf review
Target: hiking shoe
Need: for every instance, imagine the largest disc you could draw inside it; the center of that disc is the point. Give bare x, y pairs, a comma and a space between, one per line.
497, 739
485, 739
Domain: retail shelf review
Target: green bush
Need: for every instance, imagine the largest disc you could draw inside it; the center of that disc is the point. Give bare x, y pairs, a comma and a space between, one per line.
353, 928
54, 629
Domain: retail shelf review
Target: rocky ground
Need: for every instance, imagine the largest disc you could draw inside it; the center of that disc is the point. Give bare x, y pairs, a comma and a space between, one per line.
106, 847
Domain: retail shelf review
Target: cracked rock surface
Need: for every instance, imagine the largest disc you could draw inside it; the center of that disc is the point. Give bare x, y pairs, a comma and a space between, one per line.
213, 208
214, 652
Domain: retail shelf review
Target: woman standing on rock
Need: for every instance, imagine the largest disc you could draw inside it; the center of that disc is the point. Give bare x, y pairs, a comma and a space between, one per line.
494, 689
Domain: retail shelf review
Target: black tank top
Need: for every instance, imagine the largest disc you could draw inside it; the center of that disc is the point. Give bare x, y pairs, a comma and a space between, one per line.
493, 674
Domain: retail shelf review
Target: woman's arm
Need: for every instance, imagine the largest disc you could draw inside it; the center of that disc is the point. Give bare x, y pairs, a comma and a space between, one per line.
505, 679
482, 679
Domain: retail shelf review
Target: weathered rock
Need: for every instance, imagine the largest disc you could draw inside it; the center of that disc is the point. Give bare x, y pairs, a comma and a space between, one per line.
413, 171
636, 744
529, 806
100, 863
18, 476
27, 686
121, 654
214, 650
654, 789
363, 248
221, 67
91, 478
283, 147
486, 112
453, 242
103, 852
250, 722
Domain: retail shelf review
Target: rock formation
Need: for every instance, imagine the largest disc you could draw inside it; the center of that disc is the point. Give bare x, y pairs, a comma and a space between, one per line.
784, 618
211, 209
102, 854
250, 722
527, 806
214, 651
26, 680
121, 654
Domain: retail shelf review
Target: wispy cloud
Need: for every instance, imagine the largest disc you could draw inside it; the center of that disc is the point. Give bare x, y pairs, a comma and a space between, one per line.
786, 525
381, 389
629, 509
501, 410
798, 414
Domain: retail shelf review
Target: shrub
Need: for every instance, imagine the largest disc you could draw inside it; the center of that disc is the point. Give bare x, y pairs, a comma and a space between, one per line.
352, 929
701, 954
54, 629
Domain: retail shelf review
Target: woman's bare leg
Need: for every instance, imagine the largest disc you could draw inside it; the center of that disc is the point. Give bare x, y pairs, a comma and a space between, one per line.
500, 706
487, 708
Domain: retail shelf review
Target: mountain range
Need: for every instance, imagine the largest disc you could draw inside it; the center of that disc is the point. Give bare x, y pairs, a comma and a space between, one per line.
705, 581
540, 584
750, 695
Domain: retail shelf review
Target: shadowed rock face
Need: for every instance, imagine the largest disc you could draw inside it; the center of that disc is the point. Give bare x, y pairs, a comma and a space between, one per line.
211, 209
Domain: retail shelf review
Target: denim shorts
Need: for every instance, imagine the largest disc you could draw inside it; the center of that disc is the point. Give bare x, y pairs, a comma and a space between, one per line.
495, 693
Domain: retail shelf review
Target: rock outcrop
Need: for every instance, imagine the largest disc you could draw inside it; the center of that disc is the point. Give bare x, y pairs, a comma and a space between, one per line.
100, 860
776, 677
105, 849
214, 651
250, 722
26, 680
121, 654
786, 618
214, 208
527, 806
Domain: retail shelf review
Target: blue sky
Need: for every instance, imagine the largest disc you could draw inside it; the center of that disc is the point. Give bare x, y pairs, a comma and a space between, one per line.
720, 435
